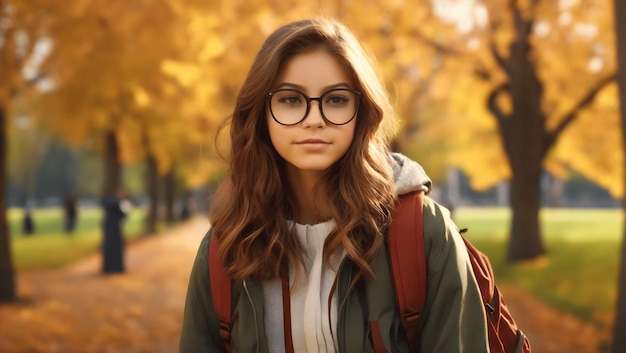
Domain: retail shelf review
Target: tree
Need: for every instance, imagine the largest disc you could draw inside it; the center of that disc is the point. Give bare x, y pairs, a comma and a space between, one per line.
96, 70
110, 68
533, 69
118, 82
619, 339
526, 137
21, 33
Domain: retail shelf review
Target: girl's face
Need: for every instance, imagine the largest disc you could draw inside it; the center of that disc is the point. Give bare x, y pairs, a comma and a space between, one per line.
313, 144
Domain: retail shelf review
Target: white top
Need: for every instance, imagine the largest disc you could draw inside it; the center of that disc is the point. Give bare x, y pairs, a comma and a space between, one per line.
313, 330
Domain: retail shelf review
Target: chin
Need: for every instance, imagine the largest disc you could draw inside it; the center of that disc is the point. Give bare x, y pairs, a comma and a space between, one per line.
310, 166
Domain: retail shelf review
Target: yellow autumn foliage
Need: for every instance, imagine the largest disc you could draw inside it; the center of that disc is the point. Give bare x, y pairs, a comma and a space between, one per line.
163, 75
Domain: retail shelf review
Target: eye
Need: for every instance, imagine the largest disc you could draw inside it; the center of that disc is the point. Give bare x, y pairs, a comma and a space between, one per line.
337, 99
289, 99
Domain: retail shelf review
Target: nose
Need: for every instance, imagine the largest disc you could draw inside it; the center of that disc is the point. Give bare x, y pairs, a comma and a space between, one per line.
314, 116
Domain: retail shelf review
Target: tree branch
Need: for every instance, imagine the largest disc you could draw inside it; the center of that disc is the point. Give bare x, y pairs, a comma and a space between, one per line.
551, 136
502, 118
517, 14
492, 103
499, 58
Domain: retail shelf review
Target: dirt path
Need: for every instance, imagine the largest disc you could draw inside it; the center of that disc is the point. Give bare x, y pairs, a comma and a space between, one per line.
77, 310
549, 330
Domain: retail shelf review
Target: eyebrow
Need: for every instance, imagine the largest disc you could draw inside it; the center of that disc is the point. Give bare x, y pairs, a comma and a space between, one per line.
302, 88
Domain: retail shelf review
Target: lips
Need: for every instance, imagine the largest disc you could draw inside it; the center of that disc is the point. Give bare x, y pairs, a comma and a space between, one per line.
312, 142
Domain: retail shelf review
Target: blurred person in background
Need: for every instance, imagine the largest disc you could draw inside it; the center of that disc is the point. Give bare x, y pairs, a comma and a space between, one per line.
70, 210
28, 224
116, 206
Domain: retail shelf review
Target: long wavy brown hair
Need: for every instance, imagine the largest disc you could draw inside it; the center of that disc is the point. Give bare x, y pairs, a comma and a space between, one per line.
252, 206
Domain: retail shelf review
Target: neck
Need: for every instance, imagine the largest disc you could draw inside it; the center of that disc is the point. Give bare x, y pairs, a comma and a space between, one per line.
311, 208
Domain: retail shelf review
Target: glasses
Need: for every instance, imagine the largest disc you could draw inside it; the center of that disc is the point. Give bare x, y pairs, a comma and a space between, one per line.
290, 107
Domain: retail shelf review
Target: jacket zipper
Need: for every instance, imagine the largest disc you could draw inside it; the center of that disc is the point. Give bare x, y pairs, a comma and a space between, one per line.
256, 325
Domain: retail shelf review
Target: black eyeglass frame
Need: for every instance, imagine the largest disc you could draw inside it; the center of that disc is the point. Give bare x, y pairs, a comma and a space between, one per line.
308, 99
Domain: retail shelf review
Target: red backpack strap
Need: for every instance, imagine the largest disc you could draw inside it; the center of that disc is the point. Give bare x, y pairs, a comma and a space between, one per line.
407, 257
221, 290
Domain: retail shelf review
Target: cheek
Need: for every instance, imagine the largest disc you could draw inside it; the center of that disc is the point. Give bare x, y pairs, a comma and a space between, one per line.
274, 132
348, 136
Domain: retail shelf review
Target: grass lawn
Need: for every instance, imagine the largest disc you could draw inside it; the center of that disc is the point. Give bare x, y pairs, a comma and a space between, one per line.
51, 247
579, 274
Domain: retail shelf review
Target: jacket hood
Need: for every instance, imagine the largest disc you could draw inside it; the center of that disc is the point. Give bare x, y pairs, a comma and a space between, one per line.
408, 175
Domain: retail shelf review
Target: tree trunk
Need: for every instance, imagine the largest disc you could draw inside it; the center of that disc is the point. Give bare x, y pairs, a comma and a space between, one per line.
525, 155
112, 235
170, 196
153, 193
7, 273
619, 338
523, 134
525, 241
112, 167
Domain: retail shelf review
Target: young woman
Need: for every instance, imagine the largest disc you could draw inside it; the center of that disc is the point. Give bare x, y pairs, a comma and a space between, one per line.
309, 195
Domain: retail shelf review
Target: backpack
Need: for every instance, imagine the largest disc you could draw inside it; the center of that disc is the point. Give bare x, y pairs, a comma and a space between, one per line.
405, 251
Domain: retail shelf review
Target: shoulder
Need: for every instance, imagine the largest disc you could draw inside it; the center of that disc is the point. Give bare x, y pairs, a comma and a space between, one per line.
441, 235
433, 209
200, 267
436, 217
439, 231
203, 249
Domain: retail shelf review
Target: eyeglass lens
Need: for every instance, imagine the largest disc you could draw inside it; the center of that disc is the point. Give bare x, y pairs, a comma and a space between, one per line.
289, 106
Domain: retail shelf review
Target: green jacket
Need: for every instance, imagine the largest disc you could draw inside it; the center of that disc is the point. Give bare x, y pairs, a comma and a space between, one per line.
453, 320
